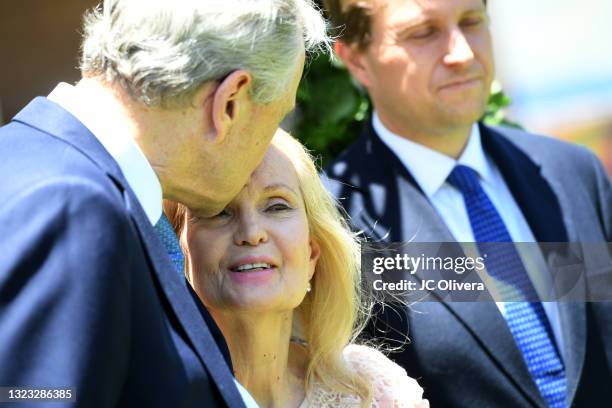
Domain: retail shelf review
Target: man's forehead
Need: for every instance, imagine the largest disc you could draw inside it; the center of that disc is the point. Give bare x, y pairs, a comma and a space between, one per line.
418, 5
399, 13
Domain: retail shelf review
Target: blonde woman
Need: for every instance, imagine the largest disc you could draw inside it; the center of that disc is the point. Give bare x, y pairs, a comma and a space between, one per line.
278, 270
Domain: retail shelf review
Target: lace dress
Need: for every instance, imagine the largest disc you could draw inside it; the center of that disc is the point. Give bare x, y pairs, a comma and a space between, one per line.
392, 388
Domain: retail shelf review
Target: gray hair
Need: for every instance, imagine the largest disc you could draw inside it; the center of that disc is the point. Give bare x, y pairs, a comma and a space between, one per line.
162, 51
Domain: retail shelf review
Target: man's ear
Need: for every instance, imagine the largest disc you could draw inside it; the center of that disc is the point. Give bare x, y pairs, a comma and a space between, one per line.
228, 100
353, 58
315, 252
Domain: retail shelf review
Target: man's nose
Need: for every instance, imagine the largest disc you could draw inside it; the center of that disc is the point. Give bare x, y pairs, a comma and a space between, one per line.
459, 50
250, 230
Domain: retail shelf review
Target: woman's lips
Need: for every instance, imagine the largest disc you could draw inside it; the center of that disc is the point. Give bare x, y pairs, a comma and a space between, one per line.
254, 276
251, 260
253, 269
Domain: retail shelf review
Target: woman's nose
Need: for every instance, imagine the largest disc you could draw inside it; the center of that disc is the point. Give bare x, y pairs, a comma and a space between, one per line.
251, 230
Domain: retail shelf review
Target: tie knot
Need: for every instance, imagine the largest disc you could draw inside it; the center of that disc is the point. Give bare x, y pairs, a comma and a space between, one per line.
465, 179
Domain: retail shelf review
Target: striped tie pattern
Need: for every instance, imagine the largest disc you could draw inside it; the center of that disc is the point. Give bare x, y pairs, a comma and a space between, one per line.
168, 237
525, 318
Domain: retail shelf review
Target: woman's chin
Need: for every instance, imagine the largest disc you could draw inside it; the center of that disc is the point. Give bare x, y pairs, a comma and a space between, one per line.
259, 301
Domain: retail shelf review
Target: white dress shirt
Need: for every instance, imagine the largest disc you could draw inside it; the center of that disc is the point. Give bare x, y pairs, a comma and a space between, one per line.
135, 167
430, 170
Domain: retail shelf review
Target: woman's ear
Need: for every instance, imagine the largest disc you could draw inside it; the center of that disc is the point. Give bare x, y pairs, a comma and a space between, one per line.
315, 252
228, 101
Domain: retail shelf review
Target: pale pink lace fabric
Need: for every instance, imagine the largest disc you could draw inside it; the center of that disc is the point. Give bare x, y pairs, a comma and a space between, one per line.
391, 385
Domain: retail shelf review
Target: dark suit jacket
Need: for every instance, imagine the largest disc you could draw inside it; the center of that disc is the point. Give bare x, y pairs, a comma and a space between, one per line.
463, 354
88, 297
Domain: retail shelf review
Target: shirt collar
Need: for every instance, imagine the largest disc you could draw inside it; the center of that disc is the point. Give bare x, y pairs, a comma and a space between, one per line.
429, 167
136, 169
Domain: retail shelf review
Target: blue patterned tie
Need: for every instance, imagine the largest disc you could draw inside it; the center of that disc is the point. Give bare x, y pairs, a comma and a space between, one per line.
168, 237
526, 319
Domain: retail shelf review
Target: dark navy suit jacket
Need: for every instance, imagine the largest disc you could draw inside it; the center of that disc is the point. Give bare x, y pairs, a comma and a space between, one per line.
88, 296
463, 354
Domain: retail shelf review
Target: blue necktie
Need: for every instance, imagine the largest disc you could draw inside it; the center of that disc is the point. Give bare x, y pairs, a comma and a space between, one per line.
526, 319
168, 237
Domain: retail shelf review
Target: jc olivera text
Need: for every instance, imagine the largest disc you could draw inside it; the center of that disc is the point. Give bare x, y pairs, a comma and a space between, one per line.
428, 285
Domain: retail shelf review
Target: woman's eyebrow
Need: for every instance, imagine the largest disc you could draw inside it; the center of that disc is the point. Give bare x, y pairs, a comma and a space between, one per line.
279, 186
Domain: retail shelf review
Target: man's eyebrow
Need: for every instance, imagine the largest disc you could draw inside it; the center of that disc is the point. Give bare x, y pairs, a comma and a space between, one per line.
411, 22
481, 9
420, 20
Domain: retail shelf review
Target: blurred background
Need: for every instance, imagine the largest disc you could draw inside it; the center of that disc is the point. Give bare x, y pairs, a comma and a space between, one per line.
554, 64
554, 60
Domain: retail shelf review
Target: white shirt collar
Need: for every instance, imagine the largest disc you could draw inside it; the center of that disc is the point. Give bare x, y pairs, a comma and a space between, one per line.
431, 168
131, 160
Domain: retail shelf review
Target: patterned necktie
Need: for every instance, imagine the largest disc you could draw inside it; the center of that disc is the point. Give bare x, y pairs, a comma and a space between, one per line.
168, 237
526, 319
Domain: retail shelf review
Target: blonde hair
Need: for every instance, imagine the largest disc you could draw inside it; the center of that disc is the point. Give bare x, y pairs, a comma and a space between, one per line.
334, 313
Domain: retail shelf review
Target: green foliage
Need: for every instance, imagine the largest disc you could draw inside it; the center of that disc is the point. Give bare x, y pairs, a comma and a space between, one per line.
494, 115
333, 109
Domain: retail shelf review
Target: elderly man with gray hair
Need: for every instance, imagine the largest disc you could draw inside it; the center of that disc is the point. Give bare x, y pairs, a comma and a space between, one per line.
177, 100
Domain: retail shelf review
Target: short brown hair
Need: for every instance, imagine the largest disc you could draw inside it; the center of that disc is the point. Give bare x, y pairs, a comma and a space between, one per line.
351, 20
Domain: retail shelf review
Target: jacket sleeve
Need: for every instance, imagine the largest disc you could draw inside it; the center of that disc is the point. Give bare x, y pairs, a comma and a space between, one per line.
64, 290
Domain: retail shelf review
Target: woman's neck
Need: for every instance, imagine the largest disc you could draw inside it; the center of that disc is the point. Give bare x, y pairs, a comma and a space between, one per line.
264, 361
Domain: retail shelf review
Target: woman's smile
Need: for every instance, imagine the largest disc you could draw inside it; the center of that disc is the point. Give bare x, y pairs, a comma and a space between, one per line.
253, 270
253, 276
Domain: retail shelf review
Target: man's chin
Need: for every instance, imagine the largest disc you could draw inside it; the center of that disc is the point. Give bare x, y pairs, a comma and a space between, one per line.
204, 206
464, 114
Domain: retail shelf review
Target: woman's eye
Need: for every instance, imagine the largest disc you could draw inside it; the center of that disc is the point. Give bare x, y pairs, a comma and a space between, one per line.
278, 207
224, 213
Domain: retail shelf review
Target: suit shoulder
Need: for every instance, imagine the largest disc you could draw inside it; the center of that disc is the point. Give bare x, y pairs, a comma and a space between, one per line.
30, 157
67, 198
349, 160
563, 161
20, 142
544, 147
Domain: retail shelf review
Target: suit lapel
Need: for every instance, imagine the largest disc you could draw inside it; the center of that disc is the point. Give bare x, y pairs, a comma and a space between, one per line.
184, 306
420, 220
395, 199
574, 327
488, 326
523, 176
52, 119
527, 178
